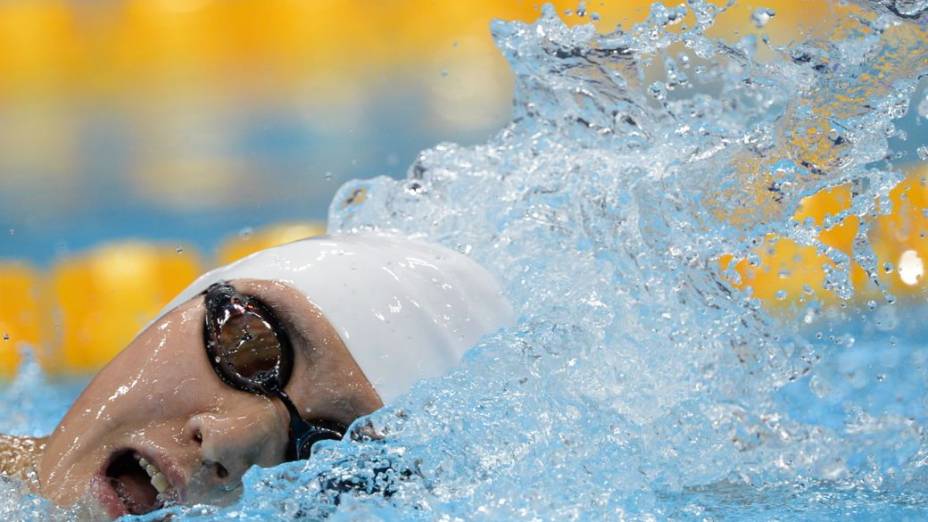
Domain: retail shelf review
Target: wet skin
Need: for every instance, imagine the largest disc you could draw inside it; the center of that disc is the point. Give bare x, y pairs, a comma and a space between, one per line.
161, 400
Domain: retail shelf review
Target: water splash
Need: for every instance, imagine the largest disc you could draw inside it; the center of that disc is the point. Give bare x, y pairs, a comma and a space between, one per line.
32, 405
762, 16
638, 382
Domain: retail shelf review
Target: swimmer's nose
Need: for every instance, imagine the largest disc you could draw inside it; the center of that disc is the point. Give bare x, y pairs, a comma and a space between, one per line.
230, 443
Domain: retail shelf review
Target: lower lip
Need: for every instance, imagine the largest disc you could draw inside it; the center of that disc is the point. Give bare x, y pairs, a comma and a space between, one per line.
102, 490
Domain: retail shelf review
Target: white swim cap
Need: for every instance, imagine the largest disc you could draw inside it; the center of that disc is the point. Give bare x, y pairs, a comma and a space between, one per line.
406, 310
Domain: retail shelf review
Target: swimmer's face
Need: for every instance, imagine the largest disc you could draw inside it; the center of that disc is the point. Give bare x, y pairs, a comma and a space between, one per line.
161, 400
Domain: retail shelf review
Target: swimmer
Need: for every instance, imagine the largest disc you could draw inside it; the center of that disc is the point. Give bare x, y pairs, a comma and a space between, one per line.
253, 364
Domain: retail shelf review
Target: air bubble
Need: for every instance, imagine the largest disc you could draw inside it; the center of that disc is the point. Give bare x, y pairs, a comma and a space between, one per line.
922, 152
658, 90
762, 16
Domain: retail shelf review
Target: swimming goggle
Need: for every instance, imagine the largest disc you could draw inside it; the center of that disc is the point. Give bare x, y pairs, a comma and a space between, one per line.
250, 351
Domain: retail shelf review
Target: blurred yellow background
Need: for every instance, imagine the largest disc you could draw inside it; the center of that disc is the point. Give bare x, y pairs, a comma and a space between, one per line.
144, 141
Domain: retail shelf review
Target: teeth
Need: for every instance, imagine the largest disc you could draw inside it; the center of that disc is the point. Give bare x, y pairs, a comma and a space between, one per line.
157, 479
160, 483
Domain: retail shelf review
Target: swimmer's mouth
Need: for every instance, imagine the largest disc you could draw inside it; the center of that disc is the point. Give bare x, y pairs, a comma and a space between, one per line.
138, 483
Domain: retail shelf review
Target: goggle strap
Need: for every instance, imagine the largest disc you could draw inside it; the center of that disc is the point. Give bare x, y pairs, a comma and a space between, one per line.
303, 435
297, 424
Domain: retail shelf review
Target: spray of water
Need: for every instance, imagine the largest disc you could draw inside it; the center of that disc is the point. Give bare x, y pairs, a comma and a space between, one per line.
638, 381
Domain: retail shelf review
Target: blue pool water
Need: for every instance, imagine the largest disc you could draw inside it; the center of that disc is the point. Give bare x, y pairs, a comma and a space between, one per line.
637, 383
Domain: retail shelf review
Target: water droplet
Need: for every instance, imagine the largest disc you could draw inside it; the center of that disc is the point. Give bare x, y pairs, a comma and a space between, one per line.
444, 73
819, 386
888, 267
414, 187
246, 232
658, 90
762, 16
923, 107
6, 336
781, 295
180, 250
810, 315
922, 153
871, 304
12, 231
327, 176
911, 8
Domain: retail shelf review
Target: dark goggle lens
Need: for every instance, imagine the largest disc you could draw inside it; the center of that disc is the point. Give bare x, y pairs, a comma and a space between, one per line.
249, 347
244, 342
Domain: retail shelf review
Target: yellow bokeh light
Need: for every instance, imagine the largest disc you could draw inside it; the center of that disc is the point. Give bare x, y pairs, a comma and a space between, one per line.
103, 298
21, 316
911, 267
250, 242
